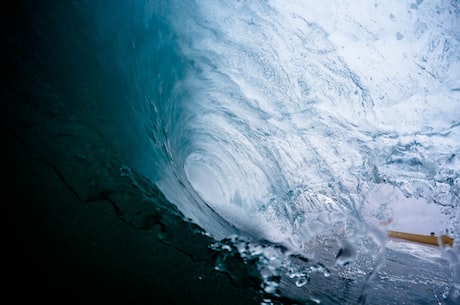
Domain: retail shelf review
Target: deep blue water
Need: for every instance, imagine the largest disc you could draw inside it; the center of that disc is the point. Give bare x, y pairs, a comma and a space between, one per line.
278, 133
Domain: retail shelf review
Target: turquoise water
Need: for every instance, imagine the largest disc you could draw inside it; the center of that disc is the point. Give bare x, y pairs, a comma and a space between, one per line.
279, 133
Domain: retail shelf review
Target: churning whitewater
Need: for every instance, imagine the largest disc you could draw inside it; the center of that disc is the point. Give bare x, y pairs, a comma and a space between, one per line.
299, 120
295, 122
287, 111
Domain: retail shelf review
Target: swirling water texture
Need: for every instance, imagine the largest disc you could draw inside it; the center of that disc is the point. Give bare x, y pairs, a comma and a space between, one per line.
277, 102
301, 119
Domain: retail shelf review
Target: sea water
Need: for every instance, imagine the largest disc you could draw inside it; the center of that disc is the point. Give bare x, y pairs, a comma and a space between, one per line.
286, 132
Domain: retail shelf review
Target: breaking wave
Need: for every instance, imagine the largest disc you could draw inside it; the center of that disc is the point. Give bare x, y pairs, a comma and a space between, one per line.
285, 130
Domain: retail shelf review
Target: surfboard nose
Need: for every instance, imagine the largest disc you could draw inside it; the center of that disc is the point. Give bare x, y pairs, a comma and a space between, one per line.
431, 239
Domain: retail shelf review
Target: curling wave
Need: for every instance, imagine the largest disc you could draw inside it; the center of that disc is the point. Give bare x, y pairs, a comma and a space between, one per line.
280, 113
284, 130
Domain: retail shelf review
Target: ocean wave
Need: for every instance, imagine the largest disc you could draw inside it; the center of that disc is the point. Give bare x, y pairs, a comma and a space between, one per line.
282, 131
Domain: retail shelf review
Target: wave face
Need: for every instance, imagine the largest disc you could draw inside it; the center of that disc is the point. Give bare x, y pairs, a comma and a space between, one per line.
284, 129
292, 121
289, 111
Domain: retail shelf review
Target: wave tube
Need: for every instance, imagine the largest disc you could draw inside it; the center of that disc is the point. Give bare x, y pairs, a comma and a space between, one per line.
281, 135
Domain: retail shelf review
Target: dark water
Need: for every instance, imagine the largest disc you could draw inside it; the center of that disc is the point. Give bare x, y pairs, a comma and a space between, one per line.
168, 152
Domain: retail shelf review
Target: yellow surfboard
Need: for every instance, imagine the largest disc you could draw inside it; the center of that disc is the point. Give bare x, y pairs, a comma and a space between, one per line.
423, 239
